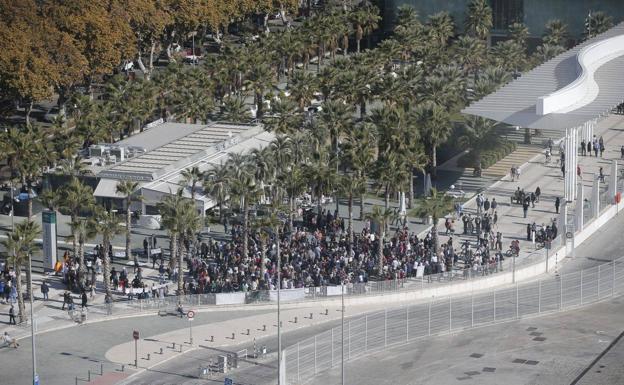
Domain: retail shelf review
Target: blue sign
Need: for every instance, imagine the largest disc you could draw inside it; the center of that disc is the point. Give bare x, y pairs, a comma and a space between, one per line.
36, 380
227, 381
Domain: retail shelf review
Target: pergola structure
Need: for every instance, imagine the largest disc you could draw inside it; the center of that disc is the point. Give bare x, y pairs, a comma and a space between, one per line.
569, 93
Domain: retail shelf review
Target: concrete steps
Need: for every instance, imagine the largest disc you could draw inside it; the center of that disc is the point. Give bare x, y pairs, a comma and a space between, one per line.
521, 155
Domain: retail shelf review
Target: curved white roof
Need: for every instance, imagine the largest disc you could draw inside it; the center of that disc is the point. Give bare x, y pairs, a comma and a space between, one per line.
567, 91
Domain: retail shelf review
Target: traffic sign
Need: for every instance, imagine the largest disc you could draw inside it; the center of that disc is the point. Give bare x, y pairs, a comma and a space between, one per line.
569, 235
135, 334
190, 314
227, 381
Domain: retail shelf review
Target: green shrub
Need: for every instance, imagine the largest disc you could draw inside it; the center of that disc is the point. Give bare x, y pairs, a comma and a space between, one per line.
488, 157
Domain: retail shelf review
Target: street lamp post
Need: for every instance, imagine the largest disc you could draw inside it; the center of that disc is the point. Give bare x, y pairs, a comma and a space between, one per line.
32, 326
279, 323
342, 369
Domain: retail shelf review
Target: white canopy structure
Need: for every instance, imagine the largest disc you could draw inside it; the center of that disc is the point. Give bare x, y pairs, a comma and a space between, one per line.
568, 93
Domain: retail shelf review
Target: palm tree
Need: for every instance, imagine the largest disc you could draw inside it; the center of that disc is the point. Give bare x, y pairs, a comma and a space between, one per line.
192, 176
75, 197
107, 224
302, 87
243, 187
509, 55
435, 123
381, 216
351, 185
84, 230
258, 79
436, 206
20, 244
441, 28
478, 21
126, 188
171, 208
217, 185
556, 33
478, 135
285, 117
234, 110
545, 52
366, 20
597, 23
519, 33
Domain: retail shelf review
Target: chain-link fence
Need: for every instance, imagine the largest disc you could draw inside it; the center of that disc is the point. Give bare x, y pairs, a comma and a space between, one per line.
383, 329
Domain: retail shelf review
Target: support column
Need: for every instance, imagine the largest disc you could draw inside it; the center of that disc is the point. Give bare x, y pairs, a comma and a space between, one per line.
571, 154
613, 180
595, 197
580, 206
562, 218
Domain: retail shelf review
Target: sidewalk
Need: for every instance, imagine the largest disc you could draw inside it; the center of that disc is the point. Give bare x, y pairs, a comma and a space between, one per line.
511, 222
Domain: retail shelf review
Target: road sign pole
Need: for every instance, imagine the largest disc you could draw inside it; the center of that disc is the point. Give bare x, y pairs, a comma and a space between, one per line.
136, 353
191, 331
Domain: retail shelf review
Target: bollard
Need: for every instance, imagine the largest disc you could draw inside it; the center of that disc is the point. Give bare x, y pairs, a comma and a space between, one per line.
161, 352
148, 356
89, 375
233, 335
254, 349
211, 338
295, 320
311, 315
101, 369
326, 311
264, 328
248, 332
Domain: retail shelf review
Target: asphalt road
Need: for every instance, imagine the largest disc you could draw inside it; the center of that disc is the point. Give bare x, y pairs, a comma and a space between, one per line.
64, 354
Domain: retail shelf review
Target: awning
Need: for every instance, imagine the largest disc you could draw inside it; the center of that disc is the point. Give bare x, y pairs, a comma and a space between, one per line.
515, 103
107, 188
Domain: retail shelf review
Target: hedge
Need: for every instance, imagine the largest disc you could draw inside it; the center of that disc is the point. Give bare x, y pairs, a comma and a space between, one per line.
488, 157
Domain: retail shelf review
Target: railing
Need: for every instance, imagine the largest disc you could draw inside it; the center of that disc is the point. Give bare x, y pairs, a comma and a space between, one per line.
392, 327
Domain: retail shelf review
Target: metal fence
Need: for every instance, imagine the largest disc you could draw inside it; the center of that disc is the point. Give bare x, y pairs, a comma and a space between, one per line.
380, 330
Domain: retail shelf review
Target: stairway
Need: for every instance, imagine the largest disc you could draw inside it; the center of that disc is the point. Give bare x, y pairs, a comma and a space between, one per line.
523, 152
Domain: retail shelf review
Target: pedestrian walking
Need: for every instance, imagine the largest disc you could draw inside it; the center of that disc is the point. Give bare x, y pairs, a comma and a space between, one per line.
538, 192
45, 289
493, 205
528, 231
557, 203
486, 205
583, 148
525, 207
66, 298
589, 147
10, 341
83, 302
601, 175
579, 173
563, 170
622, 152
495, 217
12, 316
533, 198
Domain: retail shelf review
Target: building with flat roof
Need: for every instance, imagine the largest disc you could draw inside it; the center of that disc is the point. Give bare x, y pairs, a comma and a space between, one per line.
156, 158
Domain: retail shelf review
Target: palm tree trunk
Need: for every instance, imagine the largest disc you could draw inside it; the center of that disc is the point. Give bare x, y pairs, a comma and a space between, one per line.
387, 198
81, 268
434, 163
362, 206
410, 182
180, 268
245, 228
173, 243
107, 267
20, 297
30, 204
358, 45
382, 235
291, 208
350, 224
128, 229
434, 236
